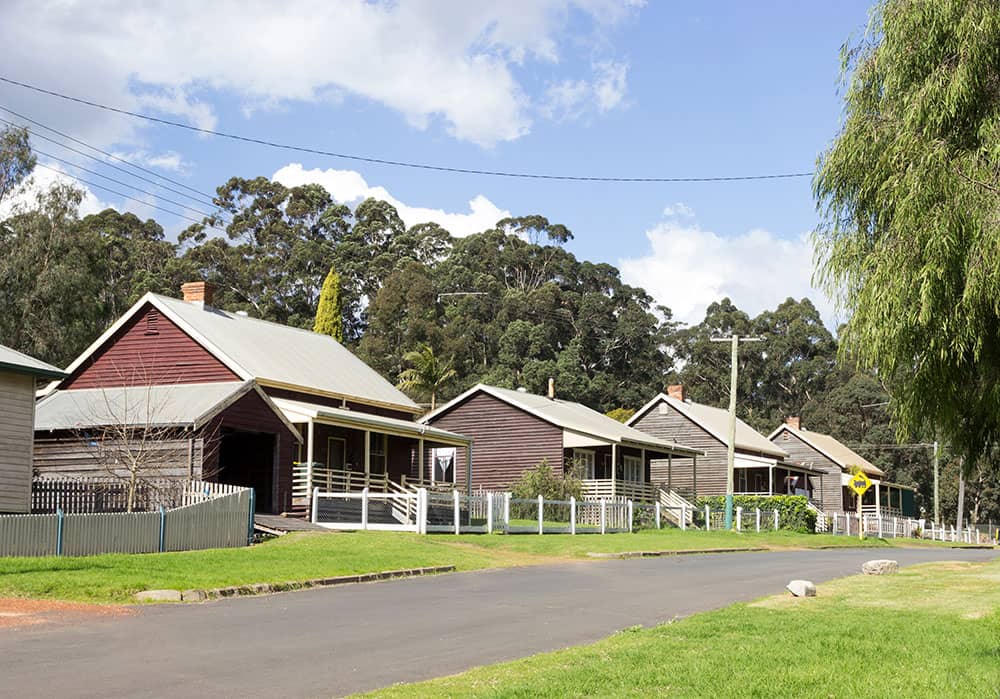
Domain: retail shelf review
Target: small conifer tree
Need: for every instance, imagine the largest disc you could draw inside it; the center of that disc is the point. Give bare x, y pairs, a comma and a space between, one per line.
329, 314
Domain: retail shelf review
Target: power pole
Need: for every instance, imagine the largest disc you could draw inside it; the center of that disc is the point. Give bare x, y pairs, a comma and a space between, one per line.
735, 341
937, 503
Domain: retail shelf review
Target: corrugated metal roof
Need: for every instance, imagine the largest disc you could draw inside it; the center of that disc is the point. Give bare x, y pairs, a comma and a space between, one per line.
843, 456
21, 363
715, 421
296, 410
270, 352
181, 405
569, 416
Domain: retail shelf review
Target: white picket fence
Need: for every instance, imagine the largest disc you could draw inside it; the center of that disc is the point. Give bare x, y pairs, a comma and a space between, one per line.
968, 535
425, 511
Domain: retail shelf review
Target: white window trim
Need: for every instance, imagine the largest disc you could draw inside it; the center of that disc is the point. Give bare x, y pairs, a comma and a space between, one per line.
590, 463
634, 463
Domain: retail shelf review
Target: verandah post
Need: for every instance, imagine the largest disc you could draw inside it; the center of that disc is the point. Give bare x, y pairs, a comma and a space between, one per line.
572, 514
541, 515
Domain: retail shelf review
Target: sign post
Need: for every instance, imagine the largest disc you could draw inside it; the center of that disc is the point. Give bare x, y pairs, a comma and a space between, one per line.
860, 485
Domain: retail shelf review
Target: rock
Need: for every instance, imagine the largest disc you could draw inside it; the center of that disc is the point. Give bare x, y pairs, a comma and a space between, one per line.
880, 567
158, 596
194, 596
802, 588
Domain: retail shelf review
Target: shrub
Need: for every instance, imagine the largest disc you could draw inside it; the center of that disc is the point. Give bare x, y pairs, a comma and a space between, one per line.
543, 480
793, 510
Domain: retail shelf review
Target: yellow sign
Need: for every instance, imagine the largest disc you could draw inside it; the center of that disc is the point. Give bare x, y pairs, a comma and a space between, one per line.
859, 483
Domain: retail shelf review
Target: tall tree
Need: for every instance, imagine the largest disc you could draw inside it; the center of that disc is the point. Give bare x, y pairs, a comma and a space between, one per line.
16, 159
329, 311
909, 192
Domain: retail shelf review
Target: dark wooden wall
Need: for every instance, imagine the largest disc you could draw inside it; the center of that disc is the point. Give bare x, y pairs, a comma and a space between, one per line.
149, 349
507, 441
830, 492
336, 403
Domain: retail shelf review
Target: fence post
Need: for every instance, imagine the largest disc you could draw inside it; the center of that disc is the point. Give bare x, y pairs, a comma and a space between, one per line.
777, 520
315, 505
604, 516
541, 515
163, 528
880, 525
629, 516
895, 527
757, 518
364, 507
60, 518
489, 513
506, 512
708, 518
656, 510
457, 512
572, 514
739, 518
684, 517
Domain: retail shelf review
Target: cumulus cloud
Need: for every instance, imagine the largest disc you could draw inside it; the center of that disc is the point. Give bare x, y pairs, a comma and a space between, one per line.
43, 179
604, 91
349, 187
687, 268
678, 210
453, 63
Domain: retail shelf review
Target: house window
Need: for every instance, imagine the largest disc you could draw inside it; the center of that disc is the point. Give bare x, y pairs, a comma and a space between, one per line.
585, 463
633, 468
377, 452
336, 453
741, 480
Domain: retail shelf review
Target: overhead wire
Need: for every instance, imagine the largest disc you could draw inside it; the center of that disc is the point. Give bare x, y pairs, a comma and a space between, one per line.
391, 162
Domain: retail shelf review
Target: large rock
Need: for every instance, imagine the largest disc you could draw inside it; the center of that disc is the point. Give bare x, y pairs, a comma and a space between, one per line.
802, 588
879, 566
158, 596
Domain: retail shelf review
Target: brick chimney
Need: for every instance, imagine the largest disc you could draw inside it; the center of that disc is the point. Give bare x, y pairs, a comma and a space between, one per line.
198, 292
552, 389
794, 421
677, 391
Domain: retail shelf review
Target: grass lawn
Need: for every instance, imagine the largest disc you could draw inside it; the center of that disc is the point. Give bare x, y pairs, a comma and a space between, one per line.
115, 578
930, 631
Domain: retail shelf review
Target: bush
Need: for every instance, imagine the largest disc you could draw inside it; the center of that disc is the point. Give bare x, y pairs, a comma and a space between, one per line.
542, 480
793, 510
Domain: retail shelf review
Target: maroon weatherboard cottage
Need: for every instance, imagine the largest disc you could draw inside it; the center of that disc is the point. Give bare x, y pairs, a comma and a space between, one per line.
514, 431
247, 397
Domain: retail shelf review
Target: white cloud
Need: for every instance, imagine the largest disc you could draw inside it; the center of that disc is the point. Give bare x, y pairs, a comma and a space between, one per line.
41, 180
688, 268
574, 98
349, 187
170, 160
430, 61
678, 210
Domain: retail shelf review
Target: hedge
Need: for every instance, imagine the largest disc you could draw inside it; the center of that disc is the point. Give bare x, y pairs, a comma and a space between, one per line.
793, 510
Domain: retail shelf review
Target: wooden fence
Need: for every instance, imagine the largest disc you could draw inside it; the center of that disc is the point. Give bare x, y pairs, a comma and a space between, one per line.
213, 520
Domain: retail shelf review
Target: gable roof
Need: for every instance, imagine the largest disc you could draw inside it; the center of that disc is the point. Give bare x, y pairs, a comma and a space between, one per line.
567, 415
177, 405
831, 448
20, 363
715, 421
270, 353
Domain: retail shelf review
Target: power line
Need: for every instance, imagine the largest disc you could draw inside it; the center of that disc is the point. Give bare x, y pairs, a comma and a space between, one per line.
396, 163
124, 184
126, 196
105, 153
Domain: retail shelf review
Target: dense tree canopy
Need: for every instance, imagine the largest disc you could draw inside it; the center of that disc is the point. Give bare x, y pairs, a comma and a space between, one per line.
910, 196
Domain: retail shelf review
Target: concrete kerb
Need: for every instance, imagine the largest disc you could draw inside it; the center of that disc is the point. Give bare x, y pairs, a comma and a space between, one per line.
675, 552
272, 588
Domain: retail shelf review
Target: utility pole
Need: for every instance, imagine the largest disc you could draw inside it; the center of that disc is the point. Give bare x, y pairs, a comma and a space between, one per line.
731, 446
937, 503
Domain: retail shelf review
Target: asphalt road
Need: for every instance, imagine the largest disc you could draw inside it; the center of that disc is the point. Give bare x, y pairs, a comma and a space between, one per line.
334, 641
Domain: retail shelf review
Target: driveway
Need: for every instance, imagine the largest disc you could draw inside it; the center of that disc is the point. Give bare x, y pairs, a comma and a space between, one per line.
334, 641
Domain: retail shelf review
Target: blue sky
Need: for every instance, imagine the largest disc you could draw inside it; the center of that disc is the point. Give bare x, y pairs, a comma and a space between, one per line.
583, 87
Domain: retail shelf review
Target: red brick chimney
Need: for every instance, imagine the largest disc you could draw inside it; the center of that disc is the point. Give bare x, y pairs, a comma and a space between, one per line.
200, 293
677, 391
794, 421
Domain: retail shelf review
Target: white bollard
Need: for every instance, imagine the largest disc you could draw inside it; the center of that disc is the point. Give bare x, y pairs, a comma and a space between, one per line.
604, 516
777, 520
364, 508
739, 519
708, 518
315, 506
422, 511
629, 516
457, 512
684, 516
489, 513
757, 518
541, 515
506, 512
656, 511
572, 514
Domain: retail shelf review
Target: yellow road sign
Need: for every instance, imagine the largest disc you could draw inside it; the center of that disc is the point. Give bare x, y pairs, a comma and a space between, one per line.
859, 483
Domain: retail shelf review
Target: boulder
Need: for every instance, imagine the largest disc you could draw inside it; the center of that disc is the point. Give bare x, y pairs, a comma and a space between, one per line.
880, 566
802, 588
158, 596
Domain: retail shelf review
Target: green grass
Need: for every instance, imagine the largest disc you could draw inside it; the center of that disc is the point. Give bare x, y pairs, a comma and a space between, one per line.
930, 631
116, 578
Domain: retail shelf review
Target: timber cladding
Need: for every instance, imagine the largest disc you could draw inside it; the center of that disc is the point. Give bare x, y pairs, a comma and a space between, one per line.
17, 417
830, 492
664, 422
507, 440
149, 350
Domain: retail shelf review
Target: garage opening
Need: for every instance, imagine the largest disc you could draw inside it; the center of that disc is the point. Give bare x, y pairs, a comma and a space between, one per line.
248, 459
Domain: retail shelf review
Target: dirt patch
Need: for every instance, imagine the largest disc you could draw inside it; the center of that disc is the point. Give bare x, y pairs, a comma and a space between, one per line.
16, 612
